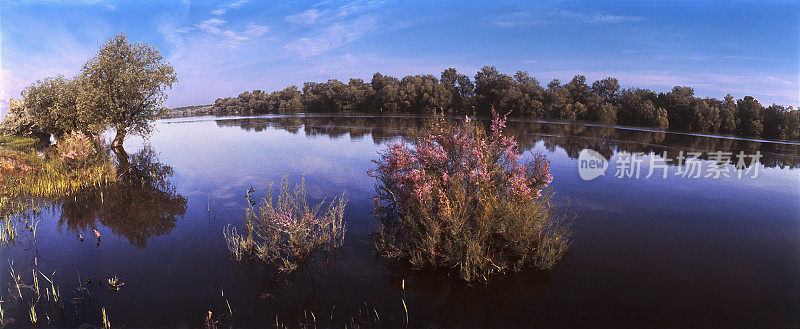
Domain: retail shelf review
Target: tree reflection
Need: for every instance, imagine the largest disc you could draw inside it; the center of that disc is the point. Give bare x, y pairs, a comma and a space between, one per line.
140, 205
572, 138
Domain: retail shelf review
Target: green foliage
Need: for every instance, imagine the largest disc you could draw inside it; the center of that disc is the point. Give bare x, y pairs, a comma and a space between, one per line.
18, 122
125, 86
604, 102
748, 117
14, 142
727, 115
286, 230
52, 103
27, 174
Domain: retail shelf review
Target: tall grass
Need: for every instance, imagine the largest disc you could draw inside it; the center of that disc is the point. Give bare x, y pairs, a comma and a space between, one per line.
287, 229
460, 198
74, 164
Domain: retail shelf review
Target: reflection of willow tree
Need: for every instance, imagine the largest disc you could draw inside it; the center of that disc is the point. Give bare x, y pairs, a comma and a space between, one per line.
572, 138
141, 204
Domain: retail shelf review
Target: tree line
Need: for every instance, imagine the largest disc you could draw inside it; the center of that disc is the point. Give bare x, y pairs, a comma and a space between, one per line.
571, 138
604, 101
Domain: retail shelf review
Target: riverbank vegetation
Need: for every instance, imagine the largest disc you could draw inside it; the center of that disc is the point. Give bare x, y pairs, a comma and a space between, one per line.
458, 197
285, 230
30, 176
604, 101
122, 88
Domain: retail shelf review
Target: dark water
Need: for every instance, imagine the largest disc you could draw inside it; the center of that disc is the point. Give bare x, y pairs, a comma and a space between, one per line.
646, 252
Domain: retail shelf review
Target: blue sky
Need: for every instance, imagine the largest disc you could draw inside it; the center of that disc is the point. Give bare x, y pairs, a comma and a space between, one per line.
221, 48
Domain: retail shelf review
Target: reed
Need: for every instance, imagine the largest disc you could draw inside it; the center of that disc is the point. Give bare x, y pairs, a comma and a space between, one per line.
37, 306
106, 320
287, 229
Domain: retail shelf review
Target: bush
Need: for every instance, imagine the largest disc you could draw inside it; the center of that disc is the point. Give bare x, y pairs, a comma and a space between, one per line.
287, 230
459, 198
77, 150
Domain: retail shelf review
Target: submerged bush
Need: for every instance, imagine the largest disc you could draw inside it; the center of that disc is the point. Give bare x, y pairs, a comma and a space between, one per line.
459, 198
287, 230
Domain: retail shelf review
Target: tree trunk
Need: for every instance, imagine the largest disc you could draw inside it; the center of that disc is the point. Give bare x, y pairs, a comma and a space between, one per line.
123, 166
117, 143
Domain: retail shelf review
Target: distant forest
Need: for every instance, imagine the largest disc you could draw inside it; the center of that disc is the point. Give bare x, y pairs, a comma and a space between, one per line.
454, 93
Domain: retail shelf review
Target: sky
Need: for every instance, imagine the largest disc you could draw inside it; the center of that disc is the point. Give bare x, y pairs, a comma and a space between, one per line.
221, 48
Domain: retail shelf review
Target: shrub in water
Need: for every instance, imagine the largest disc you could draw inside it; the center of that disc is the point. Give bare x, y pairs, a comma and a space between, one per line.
286, 230
460, 198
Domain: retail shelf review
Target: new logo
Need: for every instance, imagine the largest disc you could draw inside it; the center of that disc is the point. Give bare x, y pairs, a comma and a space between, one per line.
591, 164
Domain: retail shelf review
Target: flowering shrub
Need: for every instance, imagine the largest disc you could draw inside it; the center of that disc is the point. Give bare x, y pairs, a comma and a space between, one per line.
288, 229
77, 150
459, 197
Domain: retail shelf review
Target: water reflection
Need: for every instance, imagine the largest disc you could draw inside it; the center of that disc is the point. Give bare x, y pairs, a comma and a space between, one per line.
572, 138
140, 205
661, 252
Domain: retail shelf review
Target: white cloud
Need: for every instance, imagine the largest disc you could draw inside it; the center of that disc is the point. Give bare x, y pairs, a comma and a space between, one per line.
356, 7
224, 9
213, 27
175, 37
529, 18
333, 36
255, 30
522, 18
598, 18
307, 17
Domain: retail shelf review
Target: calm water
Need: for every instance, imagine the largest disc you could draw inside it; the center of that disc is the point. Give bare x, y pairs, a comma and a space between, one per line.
646, 252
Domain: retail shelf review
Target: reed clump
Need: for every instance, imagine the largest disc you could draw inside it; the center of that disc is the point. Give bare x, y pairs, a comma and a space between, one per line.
286, 229
459, 197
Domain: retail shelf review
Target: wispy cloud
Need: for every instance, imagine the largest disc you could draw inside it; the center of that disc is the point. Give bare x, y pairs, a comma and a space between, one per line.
225, 8
333, 36
214, 27
529, 18
522, 18
307, 17
597, 18
175, 37
333, 27
781, 81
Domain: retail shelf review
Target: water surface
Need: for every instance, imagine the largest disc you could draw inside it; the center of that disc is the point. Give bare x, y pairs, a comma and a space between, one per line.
658, 252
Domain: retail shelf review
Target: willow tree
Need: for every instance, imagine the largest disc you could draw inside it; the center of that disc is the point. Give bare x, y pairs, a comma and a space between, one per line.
125, 87
51, 103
